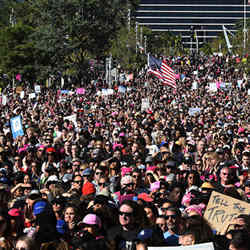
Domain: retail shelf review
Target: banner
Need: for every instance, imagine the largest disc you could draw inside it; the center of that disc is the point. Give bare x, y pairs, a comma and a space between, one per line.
222, 209
203, 246
16, 126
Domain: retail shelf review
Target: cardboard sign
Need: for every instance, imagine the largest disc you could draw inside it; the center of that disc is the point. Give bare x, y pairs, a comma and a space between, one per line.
16, 126
19, 89
222, 209
203, 246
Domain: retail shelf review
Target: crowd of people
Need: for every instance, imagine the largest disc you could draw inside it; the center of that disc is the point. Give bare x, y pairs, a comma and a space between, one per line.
106, 171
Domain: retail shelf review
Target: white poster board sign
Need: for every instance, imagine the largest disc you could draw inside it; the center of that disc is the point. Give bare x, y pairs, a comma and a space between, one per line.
71, 118
22, 95
212, 87
32, 95
4, 100
145, 104
203, 246
37, 89
194, 85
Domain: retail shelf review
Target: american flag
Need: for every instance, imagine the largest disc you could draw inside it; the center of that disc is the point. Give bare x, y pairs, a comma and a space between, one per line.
161, 70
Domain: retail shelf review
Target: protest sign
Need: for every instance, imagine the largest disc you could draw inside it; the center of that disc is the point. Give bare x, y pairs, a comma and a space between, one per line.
22, 95
193, 111
145, 104
194, 85
16, 126
19, 89
203, 246
71, 118
64, 91
122, 89
37, 89
212, 86
4, 100
80, 91
222, 209
248, 91
32, 95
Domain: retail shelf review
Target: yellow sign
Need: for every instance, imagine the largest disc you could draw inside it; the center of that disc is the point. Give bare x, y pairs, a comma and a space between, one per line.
222, 209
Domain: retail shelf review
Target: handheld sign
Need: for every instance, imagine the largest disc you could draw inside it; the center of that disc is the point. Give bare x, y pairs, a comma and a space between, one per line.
16, 126
202, 246
222, 209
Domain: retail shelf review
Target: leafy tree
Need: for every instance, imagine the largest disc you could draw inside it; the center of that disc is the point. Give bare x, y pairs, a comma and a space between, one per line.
17, 52
73, 31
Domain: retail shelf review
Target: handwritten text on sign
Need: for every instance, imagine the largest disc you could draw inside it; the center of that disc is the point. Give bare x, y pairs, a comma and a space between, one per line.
222, 209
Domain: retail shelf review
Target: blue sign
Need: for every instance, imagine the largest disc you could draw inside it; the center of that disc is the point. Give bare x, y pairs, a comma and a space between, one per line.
16, 126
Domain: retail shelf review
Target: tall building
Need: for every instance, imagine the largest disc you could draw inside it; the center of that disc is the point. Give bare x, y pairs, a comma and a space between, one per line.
204, 17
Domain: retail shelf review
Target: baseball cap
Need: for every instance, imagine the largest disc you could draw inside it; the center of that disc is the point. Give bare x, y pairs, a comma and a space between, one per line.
92, 219
39, 207
247, 183
145, 197
86, 172
34, 194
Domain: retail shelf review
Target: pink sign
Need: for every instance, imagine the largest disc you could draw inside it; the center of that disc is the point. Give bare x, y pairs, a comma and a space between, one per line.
177, 76
80, 91
218, 85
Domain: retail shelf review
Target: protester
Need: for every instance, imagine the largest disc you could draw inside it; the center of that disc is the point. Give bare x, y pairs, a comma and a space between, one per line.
143, 162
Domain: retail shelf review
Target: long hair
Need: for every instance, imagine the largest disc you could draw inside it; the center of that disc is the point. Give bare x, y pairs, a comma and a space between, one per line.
46, 221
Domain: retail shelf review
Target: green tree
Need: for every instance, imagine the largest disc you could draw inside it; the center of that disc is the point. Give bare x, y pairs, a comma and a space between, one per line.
17, 52
73, 31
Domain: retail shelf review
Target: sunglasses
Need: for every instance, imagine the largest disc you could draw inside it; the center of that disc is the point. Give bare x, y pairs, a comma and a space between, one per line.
98, 173
170, 216
102, 184
125, 214
129, 185
164, 208
78, 182
135, 176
